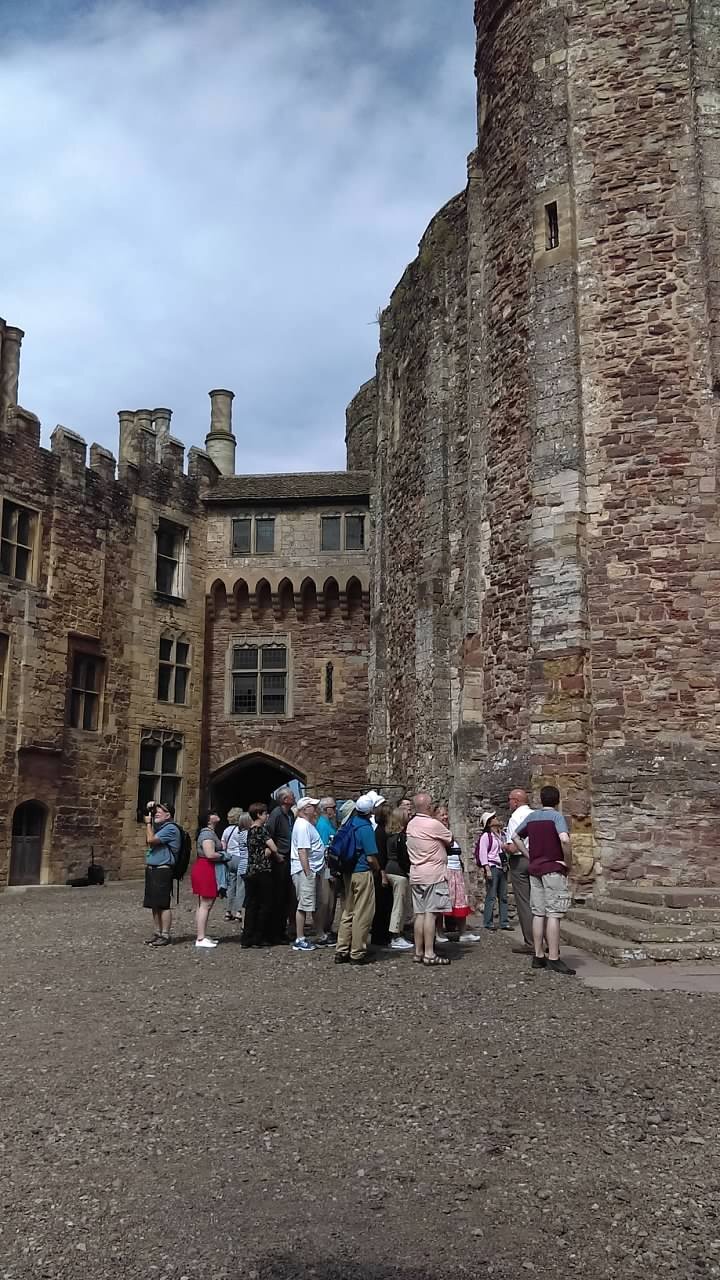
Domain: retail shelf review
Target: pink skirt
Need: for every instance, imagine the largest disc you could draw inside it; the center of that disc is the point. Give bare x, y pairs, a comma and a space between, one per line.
458, 895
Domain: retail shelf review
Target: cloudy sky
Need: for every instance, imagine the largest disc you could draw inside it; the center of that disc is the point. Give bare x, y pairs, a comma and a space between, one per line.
220, 193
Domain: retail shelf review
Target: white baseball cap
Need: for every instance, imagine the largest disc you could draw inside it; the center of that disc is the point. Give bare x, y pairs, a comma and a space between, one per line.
305, 801
366, 804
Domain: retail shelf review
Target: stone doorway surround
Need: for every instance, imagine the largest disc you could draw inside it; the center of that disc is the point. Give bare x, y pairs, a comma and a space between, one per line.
28, 838
249, 778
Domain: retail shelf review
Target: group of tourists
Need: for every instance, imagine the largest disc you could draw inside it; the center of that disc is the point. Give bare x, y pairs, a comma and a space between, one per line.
360, 873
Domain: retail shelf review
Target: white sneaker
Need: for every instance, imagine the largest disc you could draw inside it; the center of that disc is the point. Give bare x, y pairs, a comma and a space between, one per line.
399, 944
440, 937
469, 937
206, 942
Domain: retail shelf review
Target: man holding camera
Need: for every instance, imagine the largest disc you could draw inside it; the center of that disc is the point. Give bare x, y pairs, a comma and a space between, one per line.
163, 847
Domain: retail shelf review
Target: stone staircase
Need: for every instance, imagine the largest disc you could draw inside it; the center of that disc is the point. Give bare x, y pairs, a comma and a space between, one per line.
640, 924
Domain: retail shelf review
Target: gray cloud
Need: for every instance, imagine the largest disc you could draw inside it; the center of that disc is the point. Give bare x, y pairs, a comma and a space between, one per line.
222, 194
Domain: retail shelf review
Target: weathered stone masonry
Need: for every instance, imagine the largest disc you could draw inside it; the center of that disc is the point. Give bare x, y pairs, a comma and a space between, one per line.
547, 438
94, 591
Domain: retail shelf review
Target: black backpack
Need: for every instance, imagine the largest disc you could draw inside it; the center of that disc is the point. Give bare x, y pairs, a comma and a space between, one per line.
182, 859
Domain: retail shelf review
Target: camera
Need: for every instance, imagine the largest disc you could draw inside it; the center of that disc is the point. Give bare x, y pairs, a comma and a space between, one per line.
150, 808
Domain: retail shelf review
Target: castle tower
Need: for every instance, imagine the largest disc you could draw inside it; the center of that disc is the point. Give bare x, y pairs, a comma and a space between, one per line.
220, 441
594, 182
552, 427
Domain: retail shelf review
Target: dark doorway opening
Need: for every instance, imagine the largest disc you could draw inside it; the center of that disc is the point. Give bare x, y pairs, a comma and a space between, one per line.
28, 832
247, 780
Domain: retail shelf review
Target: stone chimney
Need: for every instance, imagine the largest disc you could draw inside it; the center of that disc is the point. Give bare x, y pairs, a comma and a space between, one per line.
9, 366
220, 441
161, 427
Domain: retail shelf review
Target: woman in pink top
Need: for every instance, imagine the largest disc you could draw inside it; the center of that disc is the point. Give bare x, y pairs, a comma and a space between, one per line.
492, 860
427, 845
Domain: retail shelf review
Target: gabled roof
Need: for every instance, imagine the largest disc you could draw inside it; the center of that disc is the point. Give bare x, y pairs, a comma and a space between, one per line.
301, 486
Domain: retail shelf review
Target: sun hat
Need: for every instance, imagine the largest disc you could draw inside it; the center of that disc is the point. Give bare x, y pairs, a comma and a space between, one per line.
376, 798
346, 809
486, 816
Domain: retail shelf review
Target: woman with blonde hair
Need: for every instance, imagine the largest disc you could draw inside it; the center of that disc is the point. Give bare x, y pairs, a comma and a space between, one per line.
397, 870
234, 843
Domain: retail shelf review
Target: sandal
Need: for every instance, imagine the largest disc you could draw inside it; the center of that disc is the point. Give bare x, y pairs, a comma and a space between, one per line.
228, 916
432, 961
418, 959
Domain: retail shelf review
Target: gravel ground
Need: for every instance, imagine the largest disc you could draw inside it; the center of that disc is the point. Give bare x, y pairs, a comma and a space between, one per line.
268, 1115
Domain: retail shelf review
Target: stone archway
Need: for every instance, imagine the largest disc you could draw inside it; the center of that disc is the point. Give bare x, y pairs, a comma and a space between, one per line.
250, 777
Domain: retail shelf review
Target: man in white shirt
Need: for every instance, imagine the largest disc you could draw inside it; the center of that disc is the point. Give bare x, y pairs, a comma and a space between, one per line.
519, 868
307, 867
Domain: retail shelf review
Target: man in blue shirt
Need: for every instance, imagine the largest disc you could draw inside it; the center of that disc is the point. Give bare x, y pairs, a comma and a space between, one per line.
357, 917
163, 846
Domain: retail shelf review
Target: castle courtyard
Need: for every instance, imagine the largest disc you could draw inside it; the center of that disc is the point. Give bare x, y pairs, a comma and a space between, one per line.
268, 1116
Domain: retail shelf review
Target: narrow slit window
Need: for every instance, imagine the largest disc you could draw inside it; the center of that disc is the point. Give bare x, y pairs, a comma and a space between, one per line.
329, 682
552, 226
4, 651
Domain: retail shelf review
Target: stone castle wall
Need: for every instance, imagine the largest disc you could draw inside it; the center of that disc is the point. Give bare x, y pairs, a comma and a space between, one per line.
546, 598
316, 604
93, 590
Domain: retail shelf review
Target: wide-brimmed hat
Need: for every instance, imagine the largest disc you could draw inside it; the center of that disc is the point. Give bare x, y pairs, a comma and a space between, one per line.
486, 816
346, 809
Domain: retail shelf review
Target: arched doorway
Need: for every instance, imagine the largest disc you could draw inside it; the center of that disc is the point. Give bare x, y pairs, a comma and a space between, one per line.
251, 777
28, 833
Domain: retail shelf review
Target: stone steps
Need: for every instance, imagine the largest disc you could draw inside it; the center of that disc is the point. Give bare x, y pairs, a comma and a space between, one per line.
656, 915
642, 923
633, 929
616, 950
676, 897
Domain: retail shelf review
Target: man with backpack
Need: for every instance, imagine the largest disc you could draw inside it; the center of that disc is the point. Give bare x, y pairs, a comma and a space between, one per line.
355, 851
164, 845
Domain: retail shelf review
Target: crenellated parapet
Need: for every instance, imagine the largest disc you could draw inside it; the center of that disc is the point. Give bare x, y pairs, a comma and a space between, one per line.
281, 600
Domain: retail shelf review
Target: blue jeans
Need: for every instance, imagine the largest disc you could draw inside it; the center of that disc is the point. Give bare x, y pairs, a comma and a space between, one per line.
496, 887
235, 887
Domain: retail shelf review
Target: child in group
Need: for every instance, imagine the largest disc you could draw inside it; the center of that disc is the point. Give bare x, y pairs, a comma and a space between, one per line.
455, 922
492, 860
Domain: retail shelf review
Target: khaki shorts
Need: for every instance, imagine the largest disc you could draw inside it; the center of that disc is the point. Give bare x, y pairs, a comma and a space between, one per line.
431, 899
550, 895
306, 890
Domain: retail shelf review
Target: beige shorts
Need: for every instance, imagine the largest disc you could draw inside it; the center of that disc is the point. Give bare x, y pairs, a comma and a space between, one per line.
550, 895
431, 899
306, 890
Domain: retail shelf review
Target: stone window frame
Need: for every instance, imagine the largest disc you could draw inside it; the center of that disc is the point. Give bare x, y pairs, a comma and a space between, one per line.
343, 516
167, 784
83, 650
5, 645
182, 532
247, 640
254, 517
560, 196
172, 665
33, 546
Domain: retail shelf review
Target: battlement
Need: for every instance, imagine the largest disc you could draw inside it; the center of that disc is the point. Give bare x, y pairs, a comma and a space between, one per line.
146, 446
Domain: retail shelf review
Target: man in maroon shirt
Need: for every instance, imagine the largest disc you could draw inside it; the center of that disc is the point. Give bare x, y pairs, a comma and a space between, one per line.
546, 834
